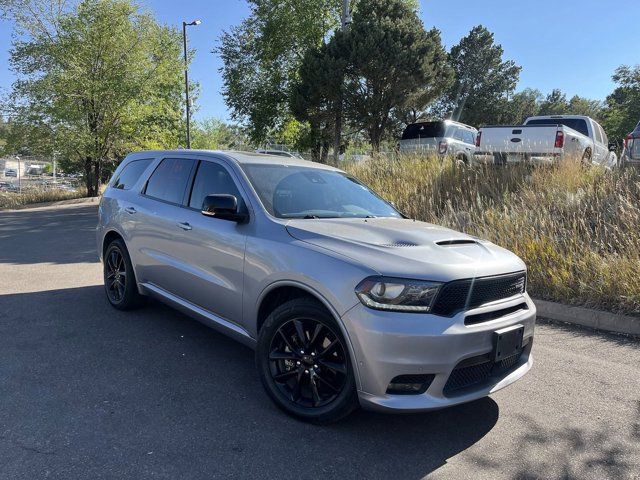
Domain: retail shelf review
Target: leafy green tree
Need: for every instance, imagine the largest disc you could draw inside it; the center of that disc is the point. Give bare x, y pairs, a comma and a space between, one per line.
584, 106
97, 80
554, 103
521, 105
390, 57
214, 134
622, 106
483, 80
261, 58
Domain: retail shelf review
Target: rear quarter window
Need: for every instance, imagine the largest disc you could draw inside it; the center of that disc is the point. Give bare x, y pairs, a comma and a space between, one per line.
131, 174
169, 180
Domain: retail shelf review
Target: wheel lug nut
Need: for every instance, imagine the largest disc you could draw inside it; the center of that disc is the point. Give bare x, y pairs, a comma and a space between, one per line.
313, 354
297, 363
302, 352
315, 366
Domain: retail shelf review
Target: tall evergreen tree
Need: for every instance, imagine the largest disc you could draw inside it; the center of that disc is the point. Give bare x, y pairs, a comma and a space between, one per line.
483, 80
390, 57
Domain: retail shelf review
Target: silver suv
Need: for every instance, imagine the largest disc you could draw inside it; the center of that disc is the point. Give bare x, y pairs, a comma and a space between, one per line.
442, 137
346, 301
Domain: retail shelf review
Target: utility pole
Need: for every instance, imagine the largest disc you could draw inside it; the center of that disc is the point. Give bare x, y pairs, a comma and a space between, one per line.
19, 175
186, 77
346, 17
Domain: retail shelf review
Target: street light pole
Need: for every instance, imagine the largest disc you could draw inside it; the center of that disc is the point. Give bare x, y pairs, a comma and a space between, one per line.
186, 77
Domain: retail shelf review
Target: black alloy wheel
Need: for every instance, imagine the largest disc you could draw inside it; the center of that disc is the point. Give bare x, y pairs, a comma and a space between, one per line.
115, 275
308, 362
304, 362
119, 279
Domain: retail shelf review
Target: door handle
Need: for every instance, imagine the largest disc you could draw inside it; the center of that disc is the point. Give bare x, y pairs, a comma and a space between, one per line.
184, 226
130, 210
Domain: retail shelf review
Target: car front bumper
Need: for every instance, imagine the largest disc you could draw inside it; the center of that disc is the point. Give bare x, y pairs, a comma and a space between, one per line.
390, 344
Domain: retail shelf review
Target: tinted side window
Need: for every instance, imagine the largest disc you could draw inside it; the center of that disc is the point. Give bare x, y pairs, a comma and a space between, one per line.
169, 180
469, 137
130, 174
212, 178
597, 132
457, 134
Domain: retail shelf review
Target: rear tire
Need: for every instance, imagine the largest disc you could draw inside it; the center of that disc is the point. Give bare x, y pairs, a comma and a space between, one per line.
304, 363
119, 278
461, 159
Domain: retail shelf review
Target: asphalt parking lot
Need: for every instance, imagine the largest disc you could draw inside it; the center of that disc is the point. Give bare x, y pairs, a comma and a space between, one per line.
90, 392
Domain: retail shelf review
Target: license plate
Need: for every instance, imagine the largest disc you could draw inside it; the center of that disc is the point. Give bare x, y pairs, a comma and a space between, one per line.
514, 158
507, 341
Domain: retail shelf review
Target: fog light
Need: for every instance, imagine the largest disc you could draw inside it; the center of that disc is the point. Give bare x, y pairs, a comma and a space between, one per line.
409, 384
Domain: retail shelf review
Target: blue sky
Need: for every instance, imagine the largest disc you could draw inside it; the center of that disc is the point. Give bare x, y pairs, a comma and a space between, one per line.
573, 45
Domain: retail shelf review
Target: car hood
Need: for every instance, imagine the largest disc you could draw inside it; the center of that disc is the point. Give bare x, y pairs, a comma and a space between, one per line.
407, 248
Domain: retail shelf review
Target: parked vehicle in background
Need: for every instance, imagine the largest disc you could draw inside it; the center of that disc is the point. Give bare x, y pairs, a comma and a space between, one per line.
8, 187
280, 153
631, 151
442, 137
545, 139
10, 172
345, 300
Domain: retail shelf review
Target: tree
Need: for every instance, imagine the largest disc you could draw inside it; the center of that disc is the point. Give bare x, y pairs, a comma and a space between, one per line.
622, 106
214, 134
521, 105
554, 103
317, 96
483, 81
261, 58
390, 57
97, 80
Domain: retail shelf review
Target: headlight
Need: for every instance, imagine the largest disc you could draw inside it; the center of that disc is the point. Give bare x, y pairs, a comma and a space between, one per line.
397, 294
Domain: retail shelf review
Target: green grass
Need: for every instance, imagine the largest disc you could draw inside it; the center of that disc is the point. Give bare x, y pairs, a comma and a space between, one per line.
577, 228
37, 195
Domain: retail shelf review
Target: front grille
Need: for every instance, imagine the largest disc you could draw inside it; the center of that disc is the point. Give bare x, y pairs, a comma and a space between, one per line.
462, 295
476, 371
494, 314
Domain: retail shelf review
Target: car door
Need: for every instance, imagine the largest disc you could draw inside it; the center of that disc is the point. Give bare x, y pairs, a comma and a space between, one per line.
212, 250
157, 211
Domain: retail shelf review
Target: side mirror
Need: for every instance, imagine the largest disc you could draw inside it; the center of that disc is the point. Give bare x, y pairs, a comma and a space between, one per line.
224, 207
612, 147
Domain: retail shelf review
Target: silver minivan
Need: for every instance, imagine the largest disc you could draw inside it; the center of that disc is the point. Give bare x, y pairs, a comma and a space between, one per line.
346, 301
441, 137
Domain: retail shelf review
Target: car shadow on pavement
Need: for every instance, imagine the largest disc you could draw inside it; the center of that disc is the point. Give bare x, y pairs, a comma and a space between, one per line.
38, 236
92, 392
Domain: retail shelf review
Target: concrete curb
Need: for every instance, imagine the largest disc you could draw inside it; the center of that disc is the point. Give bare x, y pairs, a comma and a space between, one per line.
56, 203
596, 319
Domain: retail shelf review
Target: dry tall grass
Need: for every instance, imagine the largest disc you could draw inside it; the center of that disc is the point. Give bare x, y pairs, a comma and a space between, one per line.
577, 228
30, 196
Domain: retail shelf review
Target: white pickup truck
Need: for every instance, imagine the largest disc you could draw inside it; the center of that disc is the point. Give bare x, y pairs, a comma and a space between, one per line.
545, 139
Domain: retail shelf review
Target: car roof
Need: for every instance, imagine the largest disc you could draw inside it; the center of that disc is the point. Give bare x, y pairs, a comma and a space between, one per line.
446, 121
241, 158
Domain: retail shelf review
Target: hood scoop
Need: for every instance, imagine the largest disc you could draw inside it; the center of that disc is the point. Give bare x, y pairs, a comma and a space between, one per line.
454, 242
398, 245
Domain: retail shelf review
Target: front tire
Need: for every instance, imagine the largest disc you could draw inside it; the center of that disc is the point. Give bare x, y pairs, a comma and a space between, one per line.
119, 279
304, 363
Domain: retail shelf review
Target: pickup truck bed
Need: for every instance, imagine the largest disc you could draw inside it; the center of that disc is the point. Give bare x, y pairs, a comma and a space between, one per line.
536, 143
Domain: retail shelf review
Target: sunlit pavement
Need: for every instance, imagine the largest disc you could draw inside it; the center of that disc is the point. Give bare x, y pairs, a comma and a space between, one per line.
89, 392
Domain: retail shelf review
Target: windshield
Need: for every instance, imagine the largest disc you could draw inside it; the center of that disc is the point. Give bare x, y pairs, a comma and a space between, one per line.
577, 124
303, 192
424, 130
